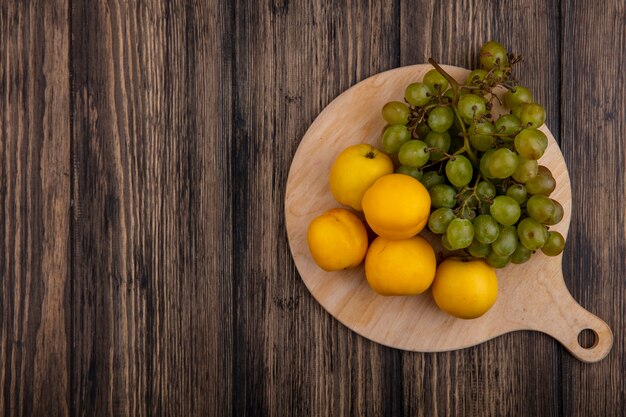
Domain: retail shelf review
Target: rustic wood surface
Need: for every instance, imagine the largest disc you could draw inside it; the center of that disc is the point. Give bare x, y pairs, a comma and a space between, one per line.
144, 262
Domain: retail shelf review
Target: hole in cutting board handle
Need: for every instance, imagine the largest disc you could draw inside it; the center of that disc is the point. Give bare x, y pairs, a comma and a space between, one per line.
588, 338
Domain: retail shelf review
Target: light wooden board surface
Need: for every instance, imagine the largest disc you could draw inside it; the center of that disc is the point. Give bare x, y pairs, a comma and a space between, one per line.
532, 296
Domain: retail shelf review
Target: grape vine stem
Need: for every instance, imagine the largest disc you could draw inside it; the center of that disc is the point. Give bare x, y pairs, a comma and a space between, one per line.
455, 90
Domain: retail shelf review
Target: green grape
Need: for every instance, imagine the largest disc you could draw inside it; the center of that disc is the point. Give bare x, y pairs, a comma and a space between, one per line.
497, 261
411, 171
481, 135
526, 169
413, 153
554, 245
557, 216
498, 76
446, 243
394, 137
478, 250
517, 192
471, 107
485, 191
502, 163
440, 140
432, 178
422, 131
449, 94
460, 233
493, 54
517, 97
440, 118
486, 229
532, 234
506, 242
531, 143
532, 115
440, 219
484, 163
517, 112
508, 124
442, 195
435, 80
472, 203
456, 141
459, 171
396, 113
540, 208
475, 77
521, 254
544, 170
505, 210
541, 184
418, 94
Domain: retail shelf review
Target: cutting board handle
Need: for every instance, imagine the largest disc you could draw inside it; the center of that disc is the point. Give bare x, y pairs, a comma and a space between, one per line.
565, 321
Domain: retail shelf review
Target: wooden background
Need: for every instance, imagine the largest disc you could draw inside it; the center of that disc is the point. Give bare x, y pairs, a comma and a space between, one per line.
144, 264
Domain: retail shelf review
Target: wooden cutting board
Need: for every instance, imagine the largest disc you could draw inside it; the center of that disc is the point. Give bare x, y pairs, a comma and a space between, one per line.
532, 296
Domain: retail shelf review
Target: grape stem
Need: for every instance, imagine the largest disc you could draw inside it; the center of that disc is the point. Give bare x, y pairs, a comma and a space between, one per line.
470, 87
455, 90
432, 106
508, 86
466, 144
435, 149
434, 163
464, 203
498, 135
453, 83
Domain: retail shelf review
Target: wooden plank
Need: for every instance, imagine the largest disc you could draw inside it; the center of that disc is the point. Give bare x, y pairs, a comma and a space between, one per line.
593, 125
515, 374
290, 356
34, 208
152, 250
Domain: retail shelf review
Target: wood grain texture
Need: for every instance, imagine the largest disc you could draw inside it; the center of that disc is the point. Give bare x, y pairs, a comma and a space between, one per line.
181, 297
34, 209
290, 356
152, 248
593, 129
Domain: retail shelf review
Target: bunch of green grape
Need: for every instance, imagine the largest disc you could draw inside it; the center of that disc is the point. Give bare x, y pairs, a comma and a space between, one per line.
489, 195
